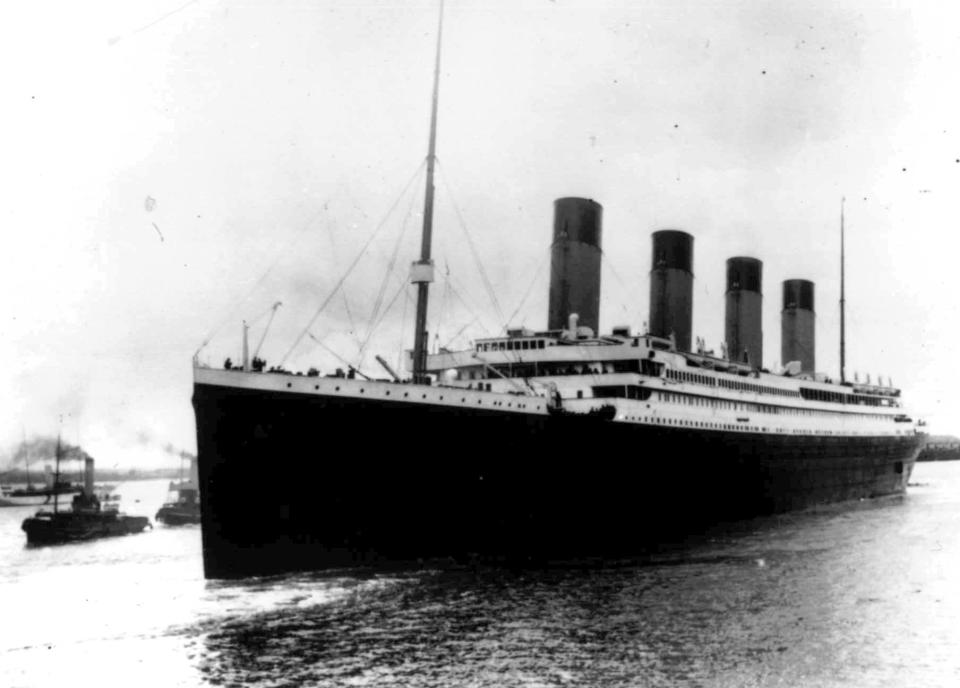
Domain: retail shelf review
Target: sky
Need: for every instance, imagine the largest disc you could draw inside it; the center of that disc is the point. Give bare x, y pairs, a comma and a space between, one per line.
171, 169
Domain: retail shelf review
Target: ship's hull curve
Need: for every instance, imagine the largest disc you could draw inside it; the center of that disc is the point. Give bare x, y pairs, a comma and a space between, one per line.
303, 482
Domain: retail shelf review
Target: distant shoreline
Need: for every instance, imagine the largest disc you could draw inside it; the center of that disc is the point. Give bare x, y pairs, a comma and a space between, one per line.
18, 475
941, 448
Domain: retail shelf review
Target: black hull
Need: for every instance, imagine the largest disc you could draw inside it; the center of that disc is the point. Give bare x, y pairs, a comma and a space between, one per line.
303, 482
64, 527
173, 515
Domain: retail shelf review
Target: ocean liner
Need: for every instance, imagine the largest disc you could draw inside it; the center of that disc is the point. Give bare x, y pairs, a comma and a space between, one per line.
542, 445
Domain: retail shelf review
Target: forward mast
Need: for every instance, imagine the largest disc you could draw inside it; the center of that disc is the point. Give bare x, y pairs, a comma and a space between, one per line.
421, 273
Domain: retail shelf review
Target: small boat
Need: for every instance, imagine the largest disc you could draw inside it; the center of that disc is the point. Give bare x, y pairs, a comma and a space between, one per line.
184, 508
183, 504
86, 521
32, 496
88, 518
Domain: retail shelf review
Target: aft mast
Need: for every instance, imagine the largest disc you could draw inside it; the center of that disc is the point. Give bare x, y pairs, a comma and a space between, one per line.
843, 303
421, 273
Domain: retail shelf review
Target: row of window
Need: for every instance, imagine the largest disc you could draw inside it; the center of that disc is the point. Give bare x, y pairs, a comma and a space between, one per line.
530, 370
463, 400
695, 378
681, 422
512, 345
622, 392
652, 368
638, 393
545, 369
758, 389
838, 398
691, 400
710, 381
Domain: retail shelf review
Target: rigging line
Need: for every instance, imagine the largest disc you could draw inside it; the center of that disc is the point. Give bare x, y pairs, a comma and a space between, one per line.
334, 353
459, 332
356, 260
353, 326
512, 356
458, 289
529, 290
383, 315
473, 249
346, 303
273, 308
280, 253
492, 368
378, 303
350, 319
443, 299
617, 277
554, 274
161, 18
373, 327
470, 309
403, 321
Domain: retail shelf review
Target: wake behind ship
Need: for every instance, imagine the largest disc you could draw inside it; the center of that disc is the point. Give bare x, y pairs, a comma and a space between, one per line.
541, 445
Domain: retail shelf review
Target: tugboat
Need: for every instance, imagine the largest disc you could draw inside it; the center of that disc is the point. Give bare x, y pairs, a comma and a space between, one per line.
87, 519
184, 507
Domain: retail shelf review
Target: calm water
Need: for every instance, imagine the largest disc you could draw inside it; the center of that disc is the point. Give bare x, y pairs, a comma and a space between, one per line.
867, 595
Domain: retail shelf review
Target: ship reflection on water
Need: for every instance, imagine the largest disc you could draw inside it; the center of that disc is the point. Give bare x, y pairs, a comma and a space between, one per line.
843, 596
